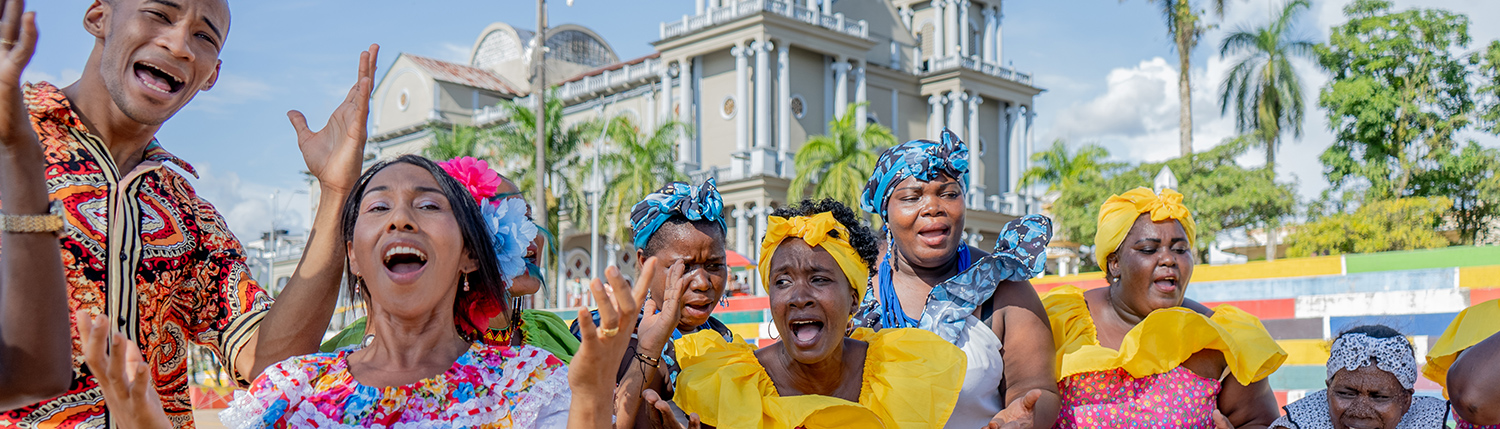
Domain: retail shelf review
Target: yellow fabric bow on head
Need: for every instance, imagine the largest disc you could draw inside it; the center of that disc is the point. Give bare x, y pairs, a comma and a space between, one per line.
1118, 214
814, 230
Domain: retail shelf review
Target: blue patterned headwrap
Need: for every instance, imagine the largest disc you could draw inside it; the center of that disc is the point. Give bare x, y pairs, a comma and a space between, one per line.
676, 199
922, 159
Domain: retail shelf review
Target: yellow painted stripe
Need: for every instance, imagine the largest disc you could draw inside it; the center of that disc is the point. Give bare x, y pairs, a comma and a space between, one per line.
745, 330
1068, 279
1298, 267
1479, 277
1305, 352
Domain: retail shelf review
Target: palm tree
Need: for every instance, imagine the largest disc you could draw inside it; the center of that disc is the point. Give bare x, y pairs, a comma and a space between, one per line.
1264, 89
640, 164
837, 164
457, 141
1057, 166
516, 152
1185, 26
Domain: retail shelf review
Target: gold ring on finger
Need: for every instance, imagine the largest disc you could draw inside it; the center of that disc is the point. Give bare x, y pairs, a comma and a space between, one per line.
608, 332
7, 42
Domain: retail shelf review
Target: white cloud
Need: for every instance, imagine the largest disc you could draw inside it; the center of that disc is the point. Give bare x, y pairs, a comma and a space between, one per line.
247, 207
453, 53
231, 89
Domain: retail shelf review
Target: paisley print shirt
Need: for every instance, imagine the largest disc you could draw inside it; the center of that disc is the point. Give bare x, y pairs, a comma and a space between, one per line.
141, 247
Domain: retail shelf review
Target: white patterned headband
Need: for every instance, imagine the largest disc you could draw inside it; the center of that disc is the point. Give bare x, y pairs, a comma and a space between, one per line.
1393, 355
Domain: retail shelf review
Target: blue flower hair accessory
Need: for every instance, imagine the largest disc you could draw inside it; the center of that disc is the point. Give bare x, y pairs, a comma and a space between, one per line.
512, 232
676, 199
923, 159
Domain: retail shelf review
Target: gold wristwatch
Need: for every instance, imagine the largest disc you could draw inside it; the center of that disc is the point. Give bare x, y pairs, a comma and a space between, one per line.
52, 222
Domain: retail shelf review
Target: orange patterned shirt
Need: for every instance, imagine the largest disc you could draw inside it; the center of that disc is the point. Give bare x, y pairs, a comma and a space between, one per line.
141, 247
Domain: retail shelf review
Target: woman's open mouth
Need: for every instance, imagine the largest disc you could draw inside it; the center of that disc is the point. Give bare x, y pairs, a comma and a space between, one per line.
1165, 284
805, 332
934, 235
404, 263
157, 79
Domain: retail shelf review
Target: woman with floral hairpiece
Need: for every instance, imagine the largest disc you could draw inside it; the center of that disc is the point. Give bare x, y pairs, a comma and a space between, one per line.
929, 278
541, 329
1138, 350
1372, 376
814, 262
421, 255
680, 230
1464, 360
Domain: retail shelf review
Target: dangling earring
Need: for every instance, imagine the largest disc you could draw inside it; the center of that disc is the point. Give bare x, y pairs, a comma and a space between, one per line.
358, 281
890, 247
723, 301
466, 282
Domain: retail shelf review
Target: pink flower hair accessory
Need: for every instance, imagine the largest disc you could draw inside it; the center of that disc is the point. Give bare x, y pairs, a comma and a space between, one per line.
475, 174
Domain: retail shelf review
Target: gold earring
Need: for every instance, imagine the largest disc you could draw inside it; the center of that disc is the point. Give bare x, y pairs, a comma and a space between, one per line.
466, 282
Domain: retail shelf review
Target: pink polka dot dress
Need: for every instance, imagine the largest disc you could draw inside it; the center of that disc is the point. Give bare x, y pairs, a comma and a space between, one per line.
1113, 399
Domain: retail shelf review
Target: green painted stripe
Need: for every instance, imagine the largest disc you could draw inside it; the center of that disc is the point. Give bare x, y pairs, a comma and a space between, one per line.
754, 316
1292, 377
1457, 256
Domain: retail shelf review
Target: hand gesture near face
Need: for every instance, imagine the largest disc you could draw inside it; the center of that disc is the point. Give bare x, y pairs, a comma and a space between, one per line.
122, 373
665, 417
335, 153
600, 349
17, 42
1019, 415
659, 323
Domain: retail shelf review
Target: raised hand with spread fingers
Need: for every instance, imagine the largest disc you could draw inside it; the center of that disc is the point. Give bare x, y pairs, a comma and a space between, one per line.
121, 371
592, 373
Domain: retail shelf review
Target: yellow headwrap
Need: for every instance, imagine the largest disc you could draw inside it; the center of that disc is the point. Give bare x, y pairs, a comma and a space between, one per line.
1119, 212
814, 230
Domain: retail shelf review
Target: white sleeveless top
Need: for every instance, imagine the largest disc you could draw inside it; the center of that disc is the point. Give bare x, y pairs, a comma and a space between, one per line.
979, 400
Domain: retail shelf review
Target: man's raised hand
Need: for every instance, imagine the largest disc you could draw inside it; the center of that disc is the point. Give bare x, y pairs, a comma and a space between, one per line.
335, 153
17, 43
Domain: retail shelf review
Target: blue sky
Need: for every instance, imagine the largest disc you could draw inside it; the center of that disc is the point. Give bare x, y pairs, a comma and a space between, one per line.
1107, 66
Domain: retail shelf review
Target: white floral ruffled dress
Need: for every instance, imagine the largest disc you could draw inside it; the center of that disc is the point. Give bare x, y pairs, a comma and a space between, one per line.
487, 387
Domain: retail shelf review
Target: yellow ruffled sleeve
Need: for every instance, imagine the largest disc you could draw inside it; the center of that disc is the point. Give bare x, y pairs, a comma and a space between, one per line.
912, 377
1472, 325
1161, 342
726, 386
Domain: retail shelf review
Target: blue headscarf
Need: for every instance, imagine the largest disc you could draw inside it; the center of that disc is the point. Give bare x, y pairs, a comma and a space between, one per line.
923, 159
676, 199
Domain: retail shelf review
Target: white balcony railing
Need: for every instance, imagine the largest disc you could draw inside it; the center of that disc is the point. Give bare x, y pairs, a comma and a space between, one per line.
739, 9
936, 65
610, 79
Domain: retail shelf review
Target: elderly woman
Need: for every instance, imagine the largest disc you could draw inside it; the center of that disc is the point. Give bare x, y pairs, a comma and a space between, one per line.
427, 265
680, 231
541, 329
1372, 371
1137, 350
814, 261
1464, 362
929, 278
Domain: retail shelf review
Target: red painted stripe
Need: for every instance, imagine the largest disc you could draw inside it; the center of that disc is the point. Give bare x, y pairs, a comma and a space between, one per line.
747, 303
1265, 309
764, 342
1481, 295
1085, 285
1280, 398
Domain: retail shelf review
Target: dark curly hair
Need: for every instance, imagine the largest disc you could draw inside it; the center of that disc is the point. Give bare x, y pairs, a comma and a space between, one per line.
860, 236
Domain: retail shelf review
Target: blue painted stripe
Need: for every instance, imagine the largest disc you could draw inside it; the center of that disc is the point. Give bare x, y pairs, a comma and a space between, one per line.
1409, 324
1243, 290
1292, 377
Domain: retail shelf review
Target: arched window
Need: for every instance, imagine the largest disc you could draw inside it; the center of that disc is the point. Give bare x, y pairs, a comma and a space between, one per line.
497, 48
578, 47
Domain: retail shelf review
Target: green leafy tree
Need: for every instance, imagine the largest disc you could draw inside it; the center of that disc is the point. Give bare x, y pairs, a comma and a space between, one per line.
1378, 226
1469, 178
836, 165
454, 142
639, 164
1221, 194
516, 151
1262, 87
1057, 166
1397, 96
1185, 26
1488, 64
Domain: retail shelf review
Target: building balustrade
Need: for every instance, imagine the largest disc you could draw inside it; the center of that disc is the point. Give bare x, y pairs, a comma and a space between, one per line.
739, 9
610, 79
938, 65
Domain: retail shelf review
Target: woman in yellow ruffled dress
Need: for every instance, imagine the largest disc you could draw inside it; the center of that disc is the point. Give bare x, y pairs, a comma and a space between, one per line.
1466, 362
1138, 353
815, 261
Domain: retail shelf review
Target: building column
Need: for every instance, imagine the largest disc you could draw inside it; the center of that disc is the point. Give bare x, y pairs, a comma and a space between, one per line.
963, 29
784, 110
895, 113
665, 113
997, 39
760, 162
939, 31
827, 8
700, 7
840, 87
906, 16
685, 115
760, 213
1013, 148
741, 99
935, 117
862, 112
650, 112
812, 5
950, 23
956, 101
986, 45
1030, 136
741, 231
1002, 150
976, 177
